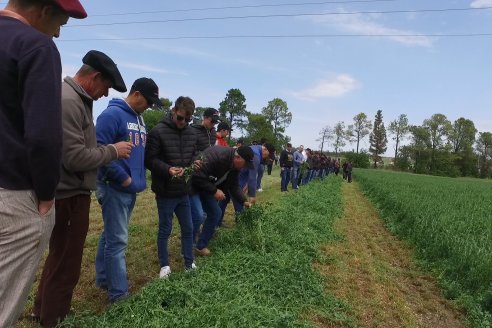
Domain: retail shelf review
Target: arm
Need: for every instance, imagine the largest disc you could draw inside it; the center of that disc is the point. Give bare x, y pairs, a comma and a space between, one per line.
40, 72
252, 174
153, 154
76, 156
234, 188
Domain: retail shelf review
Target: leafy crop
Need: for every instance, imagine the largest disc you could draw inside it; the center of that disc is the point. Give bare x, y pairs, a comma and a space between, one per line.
260, 274
450, 223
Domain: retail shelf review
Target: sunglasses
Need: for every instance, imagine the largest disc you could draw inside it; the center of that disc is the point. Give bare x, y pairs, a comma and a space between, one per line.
182, 118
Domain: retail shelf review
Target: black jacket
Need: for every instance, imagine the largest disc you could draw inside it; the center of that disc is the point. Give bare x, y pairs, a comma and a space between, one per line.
206, 138
218, 161
168, 146
286, 158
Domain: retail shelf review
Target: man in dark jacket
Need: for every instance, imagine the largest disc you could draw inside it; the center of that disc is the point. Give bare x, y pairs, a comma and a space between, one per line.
286, 161
206, 133
218, 175
119, 182
169, 155
81, 157
31, 134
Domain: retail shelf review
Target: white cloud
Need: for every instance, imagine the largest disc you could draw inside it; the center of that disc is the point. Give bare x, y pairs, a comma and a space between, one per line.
481, 3
141, 67
366, 25
328, 88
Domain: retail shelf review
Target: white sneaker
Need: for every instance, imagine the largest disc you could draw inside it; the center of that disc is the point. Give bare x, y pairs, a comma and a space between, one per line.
259, 190
165, 272
193, 267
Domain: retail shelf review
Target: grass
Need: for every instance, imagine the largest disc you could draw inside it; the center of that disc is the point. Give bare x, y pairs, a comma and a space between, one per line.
450, 223
261, 273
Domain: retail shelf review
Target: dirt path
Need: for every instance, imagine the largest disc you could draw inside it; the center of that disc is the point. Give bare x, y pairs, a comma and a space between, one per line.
374, 273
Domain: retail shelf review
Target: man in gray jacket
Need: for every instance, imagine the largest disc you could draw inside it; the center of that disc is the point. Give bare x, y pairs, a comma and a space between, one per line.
80, 159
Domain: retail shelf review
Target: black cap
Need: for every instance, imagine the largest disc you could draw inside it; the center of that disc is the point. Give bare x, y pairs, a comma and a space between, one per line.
223, 126
148, 89
247, 154
212, 113
102, 63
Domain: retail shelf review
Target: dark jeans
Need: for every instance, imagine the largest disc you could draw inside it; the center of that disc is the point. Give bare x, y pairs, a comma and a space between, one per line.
261, 171
166, 207
285, 178
212, 208
61, 270
238, 207
269, 168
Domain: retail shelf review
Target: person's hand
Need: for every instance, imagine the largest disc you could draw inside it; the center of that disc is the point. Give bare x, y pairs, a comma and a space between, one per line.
176, 171
123, 149
45, 205
197, 165
247, 204
127, 182
219, 195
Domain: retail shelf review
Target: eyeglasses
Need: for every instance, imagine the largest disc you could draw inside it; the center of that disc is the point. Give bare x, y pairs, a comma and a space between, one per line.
182, 118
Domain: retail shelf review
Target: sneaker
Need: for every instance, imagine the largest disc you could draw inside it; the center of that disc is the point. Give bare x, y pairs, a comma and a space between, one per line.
203, 252
192, 267
259, 190
165, 272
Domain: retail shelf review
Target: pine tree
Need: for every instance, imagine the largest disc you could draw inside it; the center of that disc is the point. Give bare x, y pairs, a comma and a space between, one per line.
378, 138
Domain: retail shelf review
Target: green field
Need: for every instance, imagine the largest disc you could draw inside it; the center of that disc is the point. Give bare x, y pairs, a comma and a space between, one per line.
449, 222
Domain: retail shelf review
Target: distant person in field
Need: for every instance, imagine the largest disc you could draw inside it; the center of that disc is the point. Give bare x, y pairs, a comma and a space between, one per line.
80, 159
344, 170
31, 146
261, 168
223, 131
349, 171
119, 182
286, 161
298, 159
218, 175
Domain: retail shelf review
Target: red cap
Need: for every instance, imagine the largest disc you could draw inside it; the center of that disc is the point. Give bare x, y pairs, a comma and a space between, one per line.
72, 7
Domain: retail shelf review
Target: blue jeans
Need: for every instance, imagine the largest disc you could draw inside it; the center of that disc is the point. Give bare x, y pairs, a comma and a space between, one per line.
295, 176
197, 214
212, 208
166, 207
117, 208
285, 178
238, 207
261, 171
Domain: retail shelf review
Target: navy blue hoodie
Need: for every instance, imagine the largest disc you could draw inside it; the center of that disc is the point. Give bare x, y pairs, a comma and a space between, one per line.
117, 123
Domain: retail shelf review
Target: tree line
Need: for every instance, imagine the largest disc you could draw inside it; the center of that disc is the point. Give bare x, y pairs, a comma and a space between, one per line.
437, 146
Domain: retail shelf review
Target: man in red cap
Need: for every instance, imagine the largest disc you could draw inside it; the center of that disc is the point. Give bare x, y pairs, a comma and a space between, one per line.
31, 147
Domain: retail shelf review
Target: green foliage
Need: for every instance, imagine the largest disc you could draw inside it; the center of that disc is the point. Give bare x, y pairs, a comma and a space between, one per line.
258, 127
360, 129
449, 222
399, 128
277, 113
378, 139
361, 160
233, 108
151, 117
260, 275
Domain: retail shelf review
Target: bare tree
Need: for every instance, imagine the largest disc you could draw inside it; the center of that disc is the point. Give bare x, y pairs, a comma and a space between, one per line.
325, 135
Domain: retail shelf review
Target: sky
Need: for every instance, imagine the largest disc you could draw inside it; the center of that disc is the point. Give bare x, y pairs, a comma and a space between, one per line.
334, 59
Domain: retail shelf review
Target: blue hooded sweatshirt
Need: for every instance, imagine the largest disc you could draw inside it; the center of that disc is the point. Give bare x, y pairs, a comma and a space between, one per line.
248, 176
117, 123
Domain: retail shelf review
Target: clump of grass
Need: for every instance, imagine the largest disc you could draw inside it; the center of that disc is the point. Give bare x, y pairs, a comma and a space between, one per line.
260, 274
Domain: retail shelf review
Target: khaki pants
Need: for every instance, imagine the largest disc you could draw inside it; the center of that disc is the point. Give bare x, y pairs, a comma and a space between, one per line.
24, 236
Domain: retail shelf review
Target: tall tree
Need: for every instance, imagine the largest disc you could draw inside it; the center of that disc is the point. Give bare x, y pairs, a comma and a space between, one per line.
399, 128
259, 127
378, 139
278, 114
462, 135
340, 136
233, 108
419, 148
439, 128
484, 148
360, 129
325, 135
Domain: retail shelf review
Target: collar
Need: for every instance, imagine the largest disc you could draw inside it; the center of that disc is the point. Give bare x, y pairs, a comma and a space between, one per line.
13, 14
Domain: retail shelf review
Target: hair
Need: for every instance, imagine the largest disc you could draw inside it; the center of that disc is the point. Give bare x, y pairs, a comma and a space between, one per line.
185, 103
85, 70
289, 145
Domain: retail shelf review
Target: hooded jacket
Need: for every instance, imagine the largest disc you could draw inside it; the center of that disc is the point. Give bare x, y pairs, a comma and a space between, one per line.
81, 154
206, 137
117, 123
168, 146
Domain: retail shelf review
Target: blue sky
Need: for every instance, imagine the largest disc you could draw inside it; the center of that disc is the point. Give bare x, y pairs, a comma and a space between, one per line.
324, 80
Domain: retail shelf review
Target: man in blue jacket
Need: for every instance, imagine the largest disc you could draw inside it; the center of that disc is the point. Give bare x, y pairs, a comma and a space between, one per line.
120, 181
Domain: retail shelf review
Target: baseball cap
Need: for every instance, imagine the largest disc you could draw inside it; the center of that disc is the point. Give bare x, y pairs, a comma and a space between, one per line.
148, 89
102, 63
212, 113
247, 154
223, 126
72, 7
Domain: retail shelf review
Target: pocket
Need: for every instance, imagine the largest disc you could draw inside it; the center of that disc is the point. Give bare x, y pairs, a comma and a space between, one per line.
35, 203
